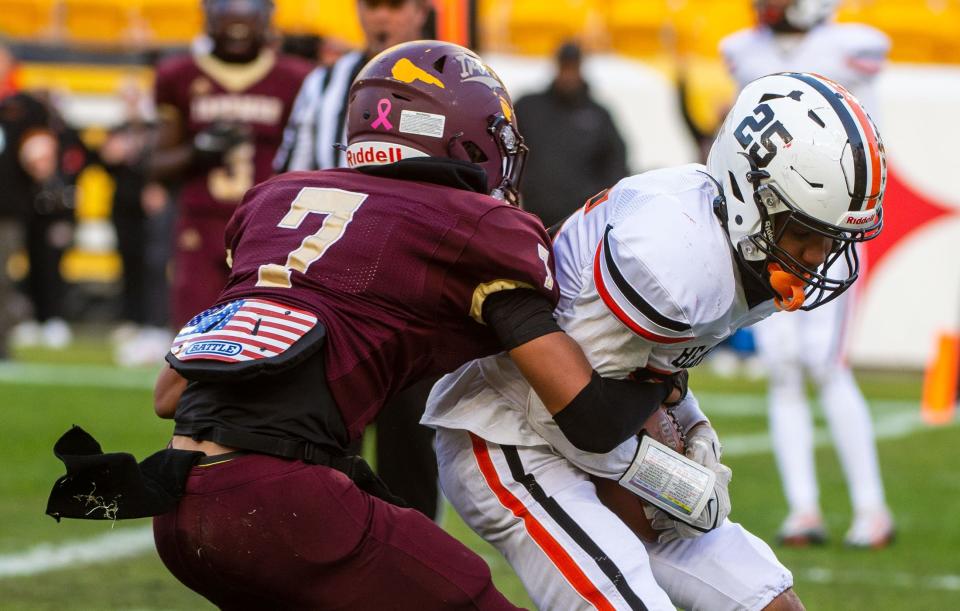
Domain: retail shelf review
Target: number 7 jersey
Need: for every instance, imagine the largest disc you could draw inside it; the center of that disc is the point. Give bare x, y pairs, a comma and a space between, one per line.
396, 270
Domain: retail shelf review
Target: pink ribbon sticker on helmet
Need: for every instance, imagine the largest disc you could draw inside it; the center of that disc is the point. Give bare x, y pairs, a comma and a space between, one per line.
383, 114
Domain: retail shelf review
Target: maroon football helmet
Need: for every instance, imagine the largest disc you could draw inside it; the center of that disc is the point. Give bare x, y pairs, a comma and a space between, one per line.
429, 98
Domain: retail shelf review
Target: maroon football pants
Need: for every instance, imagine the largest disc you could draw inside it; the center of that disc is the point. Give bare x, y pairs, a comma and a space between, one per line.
259, 532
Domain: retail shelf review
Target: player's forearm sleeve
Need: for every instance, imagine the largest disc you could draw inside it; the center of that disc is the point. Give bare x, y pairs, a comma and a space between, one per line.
518, 316
607, 412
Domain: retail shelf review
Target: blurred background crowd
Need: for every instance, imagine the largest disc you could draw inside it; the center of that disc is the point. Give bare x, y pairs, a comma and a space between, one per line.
88, 238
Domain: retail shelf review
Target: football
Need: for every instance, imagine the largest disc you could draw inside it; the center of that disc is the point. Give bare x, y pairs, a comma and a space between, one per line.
662, 426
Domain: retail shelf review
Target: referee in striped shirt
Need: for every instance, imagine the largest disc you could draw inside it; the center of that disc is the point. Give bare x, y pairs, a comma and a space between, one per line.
405, 457
317, 121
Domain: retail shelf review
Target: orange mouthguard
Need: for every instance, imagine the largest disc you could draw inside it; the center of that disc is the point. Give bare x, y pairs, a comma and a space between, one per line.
789, 287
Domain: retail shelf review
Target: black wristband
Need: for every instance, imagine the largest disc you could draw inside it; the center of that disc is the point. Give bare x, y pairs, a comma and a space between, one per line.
607, 412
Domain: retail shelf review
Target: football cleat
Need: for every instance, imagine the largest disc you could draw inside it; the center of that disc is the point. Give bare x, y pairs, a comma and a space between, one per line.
872, 529
802, 529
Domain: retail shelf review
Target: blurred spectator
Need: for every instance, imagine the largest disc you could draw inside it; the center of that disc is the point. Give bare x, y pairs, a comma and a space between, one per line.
141, 219
575, 148
800, 35
405, 458
221, 117
28, 151
49, 228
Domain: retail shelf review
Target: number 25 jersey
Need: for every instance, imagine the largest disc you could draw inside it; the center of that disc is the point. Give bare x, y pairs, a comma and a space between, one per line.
396, 270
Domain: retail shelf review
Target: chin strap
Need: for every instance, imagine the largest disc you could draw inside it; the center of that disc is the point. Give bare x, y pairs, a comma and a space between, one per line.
789, 288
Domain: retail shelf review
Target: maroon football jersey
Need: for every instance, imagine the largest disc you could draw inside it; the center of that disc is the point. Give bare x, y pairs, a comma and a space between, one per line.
199, 90
396, 270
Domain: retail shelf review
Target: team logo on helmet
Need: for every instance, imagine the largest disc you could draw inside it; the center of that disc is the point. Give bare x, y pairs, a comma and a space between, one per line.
472, 70
406, 71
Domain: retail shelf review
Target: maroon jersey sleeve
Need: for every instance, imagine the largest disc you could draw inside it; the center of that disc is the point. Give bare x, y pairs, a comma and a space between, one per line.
509, 250
167, 90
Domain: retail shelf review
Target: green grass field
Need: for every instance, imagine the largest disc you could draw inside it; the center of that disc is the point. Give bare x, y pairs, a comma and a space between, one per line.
98, 565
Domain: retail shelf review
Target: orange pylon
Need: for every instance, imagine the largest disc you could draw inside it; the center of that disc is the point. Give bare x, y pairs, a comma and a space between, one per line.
940, 381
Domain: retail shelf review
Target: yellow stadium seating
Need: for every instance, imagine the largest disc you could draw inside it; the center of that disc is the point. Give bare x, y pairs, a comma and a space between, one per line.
639, 28
28, 18
297, 17
701, 24
105, 22
921, 30
338, 19
172, 21
330, 18
537, 27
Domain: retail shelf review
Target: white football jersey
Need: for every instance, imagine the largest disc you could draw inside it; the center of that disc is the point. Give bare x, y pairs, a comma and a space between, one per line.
849, 53
648, 280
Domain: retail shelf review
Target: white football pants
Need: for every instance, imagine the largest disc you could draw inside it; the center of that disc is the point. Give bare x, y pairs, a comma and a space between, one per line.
571, 552
795, 344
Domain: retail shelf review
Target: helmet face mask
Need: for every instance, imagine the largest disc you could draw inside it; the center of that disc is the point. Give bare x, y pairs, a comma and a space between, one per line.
514, 154
793, 15
822, 283
436, 99
798, 153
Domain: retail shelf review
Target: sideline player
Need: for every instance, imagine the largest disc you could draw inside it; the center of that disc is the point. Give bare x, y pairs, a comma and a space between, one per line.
221, 116
800, 35
653, 274
347, 286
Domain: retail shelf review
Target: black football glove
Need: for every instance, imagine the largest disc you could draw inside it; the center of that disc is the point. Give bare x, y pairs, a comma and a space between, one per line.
211, 144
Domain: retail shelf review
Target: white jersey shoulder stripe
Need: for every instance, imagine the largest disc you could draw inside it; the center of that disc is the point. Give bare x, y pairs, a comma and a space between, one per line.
629, 306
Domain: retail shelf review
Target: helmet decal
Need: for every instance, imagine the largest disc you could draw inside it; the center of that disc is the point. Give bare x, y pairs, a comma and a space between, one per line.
422, 123
752, 125
406, 71
506, 108
866, 148
379, 153
383, 115
472, 70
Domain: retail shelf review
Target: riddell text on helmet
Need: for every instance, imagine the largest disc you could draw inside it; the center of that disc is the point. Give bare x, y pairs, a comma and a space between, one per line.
379, 153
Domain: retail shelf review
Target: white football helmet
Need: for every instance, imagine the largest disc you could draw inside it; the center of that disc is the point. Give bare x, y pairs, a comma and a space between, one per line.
796, 15
800, 144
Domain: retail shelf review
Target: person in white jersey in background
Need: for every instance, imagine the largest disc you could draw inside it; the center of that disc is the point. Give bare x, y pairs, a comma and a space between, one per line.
800, 35
653, 273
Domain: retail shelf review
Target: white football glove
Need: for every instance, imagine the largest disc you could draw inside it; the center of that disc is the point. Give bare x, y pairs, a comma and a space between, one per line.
703, 446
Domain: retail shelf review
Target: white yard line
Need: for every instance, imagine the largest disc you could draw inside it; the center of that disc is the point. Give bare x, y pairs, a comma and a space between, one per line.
87, 376
892, 419
109, 547
896, 579
127, 543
